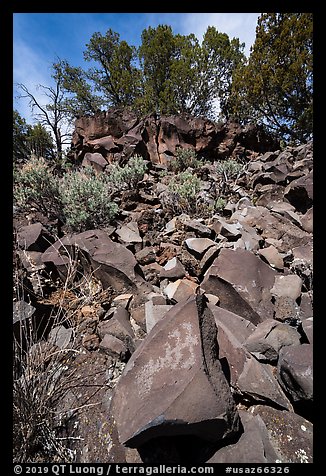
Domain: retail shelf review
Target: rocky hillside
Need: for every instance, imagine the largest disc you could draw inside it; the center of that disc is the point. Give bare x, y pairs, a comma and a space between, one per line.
183, 332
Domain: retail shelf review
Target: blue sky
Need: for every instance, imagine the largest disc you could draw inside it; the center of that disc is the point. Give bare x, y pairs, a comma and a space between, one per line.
41, 37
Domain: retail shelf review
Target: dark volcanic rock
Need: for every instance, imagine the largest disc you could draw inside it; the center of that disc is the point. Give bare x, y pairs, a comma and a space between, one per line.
246, 375
243, 283
300, 193
295, 372
269, 337
173, 384
253, 445
289, 434
112, 263
95, 160
34, 237
117, 134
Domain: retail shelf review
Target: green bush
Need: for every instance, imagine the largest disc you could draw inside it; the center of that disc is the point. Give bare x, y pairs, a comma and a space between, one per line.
219, 204
183, 190
128, 176
229, 168
35, 186
81, 199
86, 198
184, 158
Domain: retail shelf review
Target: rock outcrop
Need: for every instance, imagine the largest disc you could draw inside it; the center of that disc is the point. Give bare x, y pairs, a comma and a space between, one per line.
116, 135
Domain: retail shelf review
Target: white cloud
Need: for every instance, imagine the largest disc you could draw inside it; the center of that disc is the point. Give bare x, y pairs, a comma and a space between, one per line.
239, 25
31, 70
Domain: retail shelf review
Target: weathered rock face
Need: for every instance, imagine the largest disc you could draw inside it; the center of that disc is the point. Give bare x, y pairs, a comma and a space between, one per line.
116, 135
295, 372
178, 387
111, 263
291, 436
243, 283
253, 445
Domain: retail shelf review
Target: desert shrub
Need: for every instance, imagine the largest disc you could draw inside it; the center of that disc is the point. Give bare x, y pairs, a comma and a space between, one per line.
128, 176
184, 158
43, 382
86, 199
47, 379
35, 186
81, 199
183, 189
219, 204
229, 169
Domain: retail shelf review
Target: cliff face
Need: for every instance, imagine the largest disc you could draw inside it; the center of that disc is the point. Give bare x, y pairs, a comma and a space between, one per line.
116, 135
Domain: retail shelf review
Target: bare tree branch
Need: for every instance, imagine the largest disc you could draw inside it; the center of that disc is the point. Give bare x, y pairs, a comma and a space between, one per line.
52, 114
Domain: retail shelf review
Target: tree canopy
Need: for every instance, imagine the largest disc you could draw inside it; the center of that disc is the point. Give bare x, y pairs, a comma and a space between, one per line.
29, 140
167, 74
275, 87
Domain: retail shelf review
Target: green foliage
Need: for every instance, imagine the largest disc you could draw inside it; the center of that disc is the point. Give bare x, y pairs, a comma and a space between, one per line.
128, 176
29, 140
40, 142
275, 87
183, 76
20, 133
221, 57
35, 186
184, 158
80, 98
116, 77
219, 204
156, 54
168, 74
183, 189
229, 169
81, 199
86, 199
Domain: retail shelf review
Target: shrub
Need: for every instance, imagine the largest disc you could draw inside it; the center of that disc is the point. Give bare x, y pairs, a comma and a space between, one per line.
86, 198
219, 204
183, 190
229, 168
81, 199
48, 381
184, 158
128, 176
35, 186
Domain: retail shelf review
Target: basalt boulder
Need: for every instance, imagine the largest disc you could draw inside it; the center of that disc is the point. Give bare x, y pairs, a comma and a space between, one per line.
243, 283
94, 252
174, 385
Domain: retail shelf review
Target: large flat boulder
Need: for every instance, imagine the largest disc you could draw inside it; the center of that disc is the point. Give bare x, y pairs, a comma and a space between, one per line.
110, 262
173, 384
243, 283
246, 375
